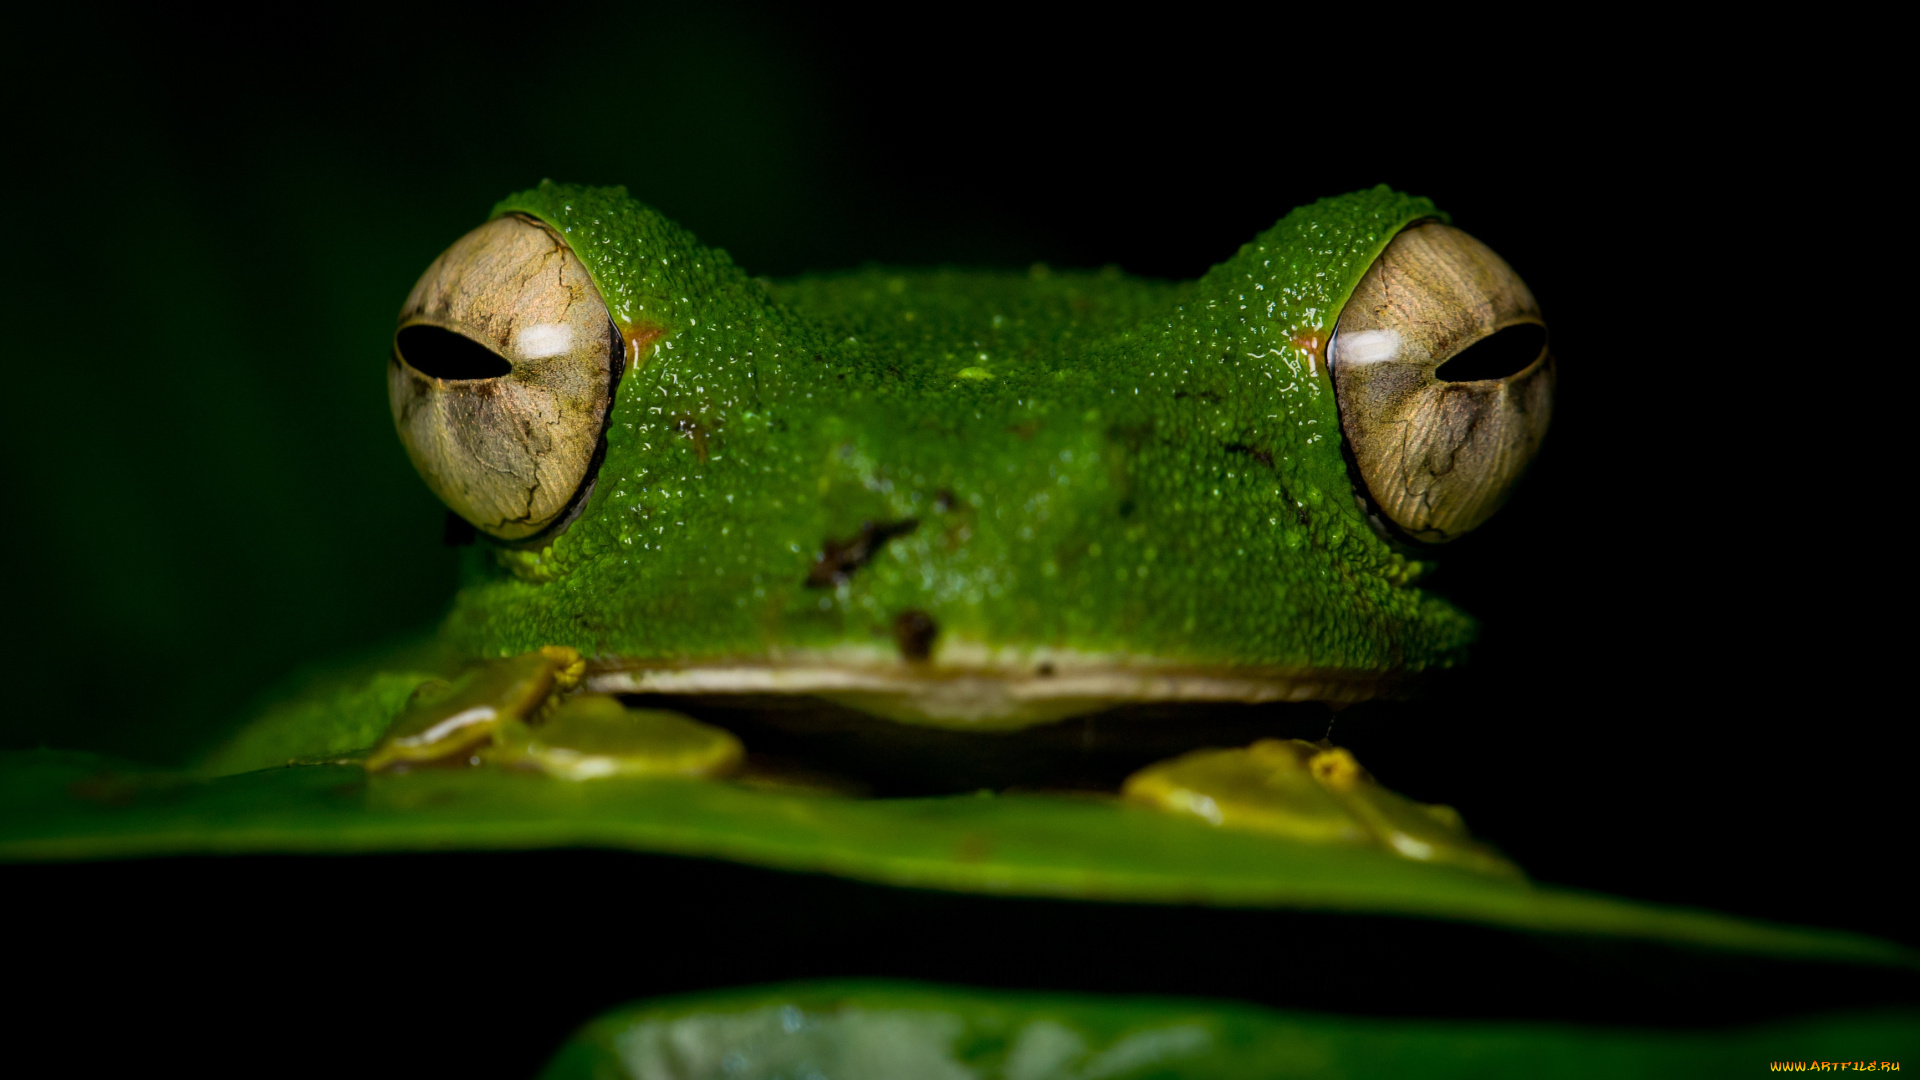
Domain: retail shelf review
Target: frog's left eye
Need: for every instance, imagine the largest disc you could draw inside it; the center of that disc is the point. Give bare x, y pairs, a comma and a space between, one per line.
1444, 380
502, 375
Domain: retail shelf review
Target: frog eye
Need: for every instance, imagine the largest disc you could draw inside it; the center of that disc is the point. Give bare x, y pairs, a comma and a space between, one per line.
502, 375
1444, 380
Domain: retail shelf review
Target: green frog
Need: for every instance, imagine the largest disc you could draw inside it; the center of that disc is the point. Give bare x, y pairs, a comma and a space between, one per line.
929, 510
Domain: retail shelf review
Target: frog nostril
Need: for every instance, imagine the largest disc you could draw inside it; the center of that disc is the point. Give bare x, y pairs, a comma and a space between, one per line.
1507, 351
442, 354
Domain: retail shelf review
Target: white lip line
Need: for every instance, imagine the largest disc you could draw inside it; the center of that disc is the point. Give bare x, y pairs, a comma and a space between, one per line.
1116, 683
976, 698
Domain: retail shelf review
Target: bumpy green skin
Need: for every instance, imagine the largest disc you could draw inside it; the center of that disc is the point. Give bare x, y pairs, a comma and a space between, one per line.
1138, 469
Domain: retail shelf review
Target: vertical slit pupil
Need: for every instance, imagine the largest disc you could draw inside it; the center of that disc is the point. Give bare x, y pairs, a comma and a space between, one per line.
443, 354
1496, 356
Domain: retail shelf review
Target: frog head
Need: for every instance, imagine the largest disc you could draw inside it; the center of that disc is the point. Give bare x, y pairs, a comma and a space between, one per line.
969, 499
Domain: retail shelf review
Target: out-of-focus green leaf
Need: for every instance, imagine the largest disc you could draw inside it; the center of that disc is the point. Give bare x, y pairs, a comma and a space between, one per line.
56, 805
859, 1030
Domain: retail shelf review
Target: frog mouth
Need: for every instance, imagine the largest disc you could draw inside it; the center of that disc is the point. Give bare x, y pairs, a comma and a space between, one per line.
981, 692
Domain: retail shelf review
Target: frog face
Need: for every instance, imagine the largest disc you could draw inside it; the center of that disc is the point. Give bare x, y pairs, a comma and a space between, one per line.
961, 498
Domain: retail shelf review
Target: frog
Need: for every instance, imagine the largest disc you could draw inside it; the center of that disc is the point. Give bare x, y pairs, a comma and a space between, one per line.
947, 513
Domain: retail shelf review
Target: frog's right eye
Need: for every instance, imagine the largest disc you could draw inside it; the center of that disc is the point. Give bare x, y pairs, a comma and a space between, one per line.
502, 376
1444, 380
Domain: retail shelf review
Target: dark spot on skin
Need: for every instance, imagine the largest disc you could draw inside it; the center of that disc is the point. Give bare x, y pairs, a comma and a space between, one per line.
1025, 428
1044, 670
457, 531
913, 632
1254, 452
838, 559
1126, 508
942, 501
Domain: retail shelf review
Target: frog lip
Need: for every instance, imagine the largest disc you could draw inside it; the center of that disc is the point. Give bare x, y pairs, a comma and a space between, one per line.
983, 696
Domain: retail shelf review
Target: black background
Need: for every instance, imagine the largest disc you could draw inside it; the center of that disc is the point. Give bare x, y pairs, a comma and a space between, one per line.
209, 234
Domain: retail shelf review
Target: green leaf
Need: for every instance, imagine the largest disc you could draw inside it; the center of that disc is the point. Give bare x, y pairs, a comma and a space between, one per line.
58, 805
855, 1030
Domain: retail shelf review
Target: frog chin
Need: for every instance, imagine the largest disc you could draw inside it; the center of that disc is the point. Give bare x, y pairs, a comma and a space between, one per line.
978, 688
